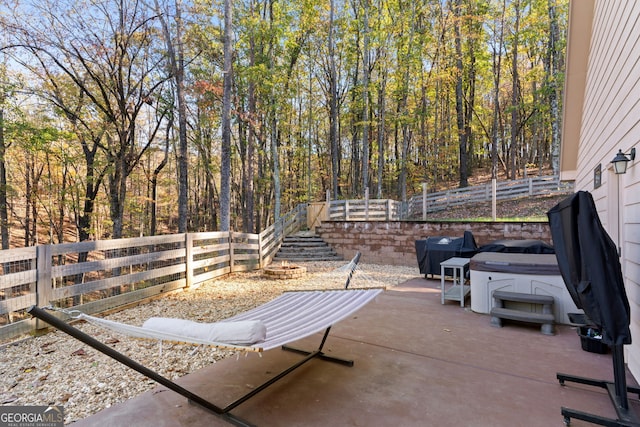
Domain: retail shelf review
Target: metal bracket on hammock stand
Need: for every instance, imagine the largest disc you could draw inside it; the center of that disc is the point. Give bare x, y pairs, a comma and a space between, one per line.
318, 353
223, 412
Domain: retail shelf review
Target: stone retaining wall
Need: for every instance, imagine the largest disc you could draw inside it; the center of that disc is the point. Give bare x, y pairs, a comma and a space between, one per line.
394, 242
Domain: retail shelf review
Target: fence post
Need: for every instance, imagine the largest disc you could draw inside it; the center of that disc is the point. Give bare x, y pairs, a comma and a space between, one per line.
424, 201
260, 252
231, 252
304, 213
366, 204
494, 190
43, 280
346, 210
531, 186
188, 259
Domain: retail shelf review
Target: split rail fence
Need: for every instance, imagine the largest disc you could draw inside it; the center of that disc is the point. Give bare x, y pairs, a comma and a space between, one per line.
418, 207
96, 276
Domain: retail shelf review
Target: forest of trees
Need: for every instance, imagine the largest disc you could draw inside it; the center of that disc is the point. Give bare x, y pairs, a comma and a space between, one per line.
126, 118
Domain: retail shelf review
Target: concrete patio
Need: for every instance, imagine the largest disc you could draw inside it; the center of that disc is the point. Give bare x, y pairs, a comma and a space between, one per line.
417, 362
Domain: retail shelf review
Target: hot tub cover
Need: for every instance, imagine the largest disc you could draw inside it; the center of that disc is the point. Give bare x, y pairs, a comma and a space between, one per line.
525, 246
516, 263
590, 267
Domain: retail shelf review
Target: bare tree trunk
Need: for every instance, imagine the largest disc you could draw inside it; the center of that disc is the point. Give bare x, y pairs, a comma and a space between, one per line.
403, 110
552, 74
92, 183
117, 194
406, 138
183, 160
274, 137
381, 131
154, 179
276, 164
460, 117
27, 209
497, 61
469, 107
535, 130
37, 174
333, 108
60, 220
355, 166
250, 171
365, 100
4, 211
514, 94
175, 53
225, 169
251, 141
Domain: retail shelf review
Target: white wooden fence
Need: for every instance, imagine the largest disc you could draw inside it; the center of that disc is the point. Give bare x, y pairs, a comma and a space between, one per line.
96, 276
365, 210
418, 207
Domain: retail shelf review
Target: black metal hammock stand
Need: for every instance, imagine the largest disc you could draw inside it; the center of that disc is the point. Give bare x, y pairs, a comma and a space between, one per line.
313, 312
589, 263
617, 391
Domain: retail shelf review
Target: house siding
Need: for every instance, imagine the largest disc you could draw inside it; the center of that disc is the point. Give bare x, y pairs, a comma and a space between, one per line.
611, 121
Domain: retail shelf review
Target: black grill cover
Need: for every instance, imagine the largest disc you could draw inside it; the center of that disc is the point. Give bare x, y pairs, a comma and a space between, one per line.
590, 267
431, 251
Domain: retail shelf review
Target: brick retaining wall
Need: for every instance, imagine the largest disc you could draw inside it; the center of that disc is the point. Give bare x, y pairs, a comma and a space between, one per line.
394, 242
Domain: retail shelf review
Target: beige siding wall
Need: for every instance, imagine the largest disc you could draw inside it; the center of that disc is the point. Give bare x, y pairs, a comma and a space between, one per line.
611, 121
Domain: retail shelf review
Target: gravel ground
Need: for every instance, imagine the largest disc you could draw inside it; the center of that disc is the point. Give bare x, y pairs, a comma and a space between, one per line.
56, 369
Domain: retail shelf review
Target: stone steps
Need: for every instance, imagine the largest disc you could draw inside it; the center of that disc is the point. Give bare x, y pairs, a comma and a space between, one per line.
305, 247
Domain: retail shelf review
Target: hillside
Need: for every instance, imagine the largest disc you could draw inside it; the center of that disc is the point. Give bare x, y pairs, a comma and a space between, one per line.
524, 208
535, 207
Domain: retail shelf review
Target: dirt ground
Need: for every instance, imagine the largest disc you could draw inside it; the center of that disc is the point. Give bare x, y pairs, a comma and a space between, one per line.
524, 208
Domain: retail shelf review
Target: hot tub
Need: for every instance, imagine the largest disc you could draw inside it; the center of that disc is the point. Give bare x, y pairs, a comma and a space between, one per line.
516, 272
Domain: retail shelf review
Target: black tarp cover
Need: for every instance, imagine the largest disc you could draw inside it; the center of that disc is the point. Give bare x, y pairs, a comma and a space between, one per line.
527, 246
590, 267
430, 252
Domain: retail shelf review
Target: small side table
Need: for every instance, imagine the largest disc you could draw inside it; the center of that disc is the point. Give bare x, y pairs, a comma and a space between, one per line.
458, 291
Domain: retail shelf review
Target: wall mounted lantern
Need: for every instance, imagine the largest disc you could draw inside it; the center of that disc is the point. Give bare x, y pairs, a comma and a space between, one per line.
620, 161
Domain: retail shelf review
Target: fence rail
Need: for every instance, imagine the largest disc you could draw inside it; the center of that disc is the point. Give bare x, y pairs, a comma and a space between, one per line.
418, 207
365, 210
96, 276
505, 190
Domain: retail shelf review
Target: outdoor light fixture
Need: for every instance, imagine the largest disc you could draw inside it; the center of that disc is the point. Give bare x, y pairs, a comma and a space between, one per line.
620, 161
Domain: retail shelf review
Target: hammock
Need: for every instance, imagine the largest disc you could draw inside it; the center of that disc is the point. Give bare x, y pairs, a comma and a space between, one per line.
287, 318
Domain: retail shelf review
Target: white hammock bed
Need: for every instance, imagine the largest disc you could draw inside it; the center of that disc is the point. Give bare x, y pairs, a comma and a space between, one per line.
288, 318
